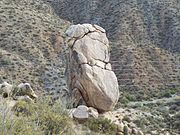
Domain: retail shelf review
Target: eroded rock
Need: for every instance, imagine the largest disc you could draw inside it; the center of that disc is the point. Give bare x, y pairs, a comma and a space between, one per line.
6, 89
89, 69
26, 89
22, 91
82, 113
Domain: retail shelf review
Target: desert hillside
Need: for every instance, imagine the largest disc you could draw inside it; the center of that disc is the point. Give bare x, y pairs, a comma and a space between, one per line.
31, 44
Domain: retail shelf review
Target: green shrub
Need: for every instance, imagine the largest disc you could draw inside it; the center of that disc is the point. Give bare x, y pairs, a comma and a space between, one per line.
102, 126
124, 100
130, 97
126, 118
5, 62
166, 94
23, 108
176, 121
141, 122
40, 118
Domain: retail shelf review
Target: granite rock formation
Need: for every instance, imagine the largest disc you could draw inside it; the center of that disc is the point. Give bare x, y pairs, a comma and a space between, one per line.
90, 73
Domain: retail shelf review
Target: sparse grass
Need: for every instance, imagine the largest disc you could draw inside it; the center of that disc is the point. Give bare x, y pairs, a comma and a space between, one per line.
41, 118
5, 62
102, 126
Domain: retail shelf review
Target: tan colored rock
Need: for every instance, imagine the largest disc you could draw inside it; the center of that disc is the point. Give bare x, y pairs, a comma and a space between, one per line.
91, 49
99, 28
98, 86
76, 31
134, 131
92, 62
119, 133
83, 107
129, 130
100, 64
108, 66
89, 27
6, 89
93, 112
101, 37
24, 98
70, 112
140, 132
81, 114
25, 89
120, 127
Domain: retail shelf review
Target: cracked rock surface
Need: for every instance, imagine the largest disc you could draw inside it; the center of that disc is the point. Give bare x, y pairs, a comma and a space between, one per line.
90, 77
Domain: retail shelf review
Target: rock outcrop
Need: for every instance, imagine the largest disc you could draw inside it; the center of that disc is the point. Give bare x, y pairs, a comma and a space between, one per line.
23, 91
89, 71
82, 113
5, 89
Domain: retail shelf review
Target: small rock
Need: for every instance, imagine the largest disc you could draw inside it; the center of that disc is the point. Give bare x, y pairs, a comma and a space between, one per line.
129, 130
120, 127
140, 133
89, 27
24, 98
99, 28
25, 89
76, 31
81, 114
83, 108
108, 66
70, 112
134, 131
6, 89
154, 132
132, 125
93, 112
100, 64
92, 62
119, 133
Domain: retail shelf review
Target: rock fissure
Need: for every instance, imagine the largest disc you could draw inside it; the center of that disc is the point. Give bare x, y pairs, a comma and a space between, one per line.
98, 40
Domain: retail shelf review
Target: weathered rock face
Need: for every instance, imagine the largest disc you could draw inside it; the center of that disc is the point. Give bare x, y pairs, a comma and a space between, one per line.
89, 70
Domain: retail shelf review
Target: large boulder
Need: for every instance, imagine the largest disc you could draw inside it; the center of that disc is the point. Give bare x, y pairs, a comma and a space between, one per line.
89, 70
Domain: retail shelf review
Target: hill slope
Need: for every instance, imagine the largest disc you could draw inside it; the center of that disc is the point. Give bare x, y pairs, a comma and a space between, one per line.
31, 44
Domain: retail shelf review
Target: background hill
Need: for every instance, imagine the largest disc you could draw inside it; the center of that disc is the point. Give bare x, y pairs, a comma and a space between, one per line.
31, 44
